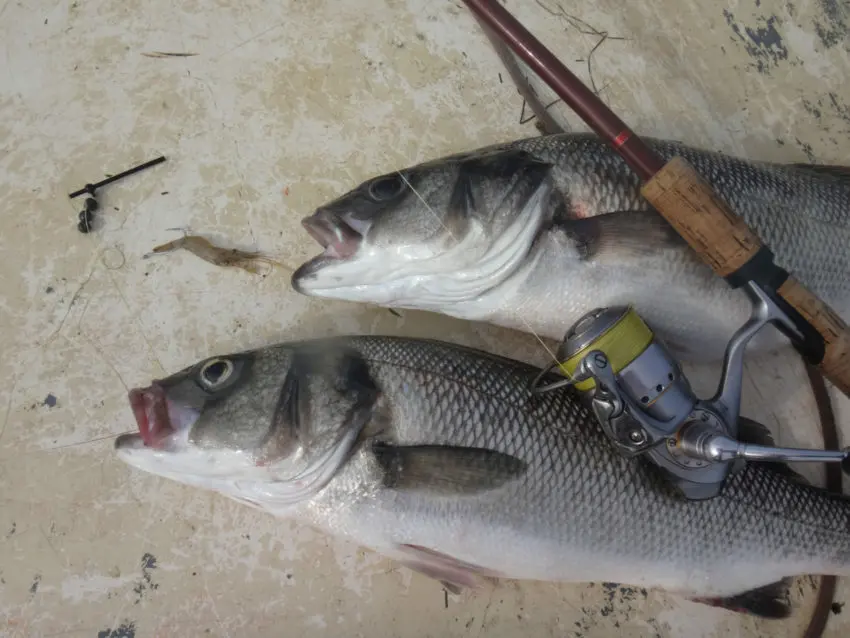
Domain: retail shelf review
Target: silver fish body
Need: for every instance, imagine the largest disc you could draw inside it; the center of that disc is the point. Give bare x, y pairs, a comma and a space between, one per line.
438, 456
532, 234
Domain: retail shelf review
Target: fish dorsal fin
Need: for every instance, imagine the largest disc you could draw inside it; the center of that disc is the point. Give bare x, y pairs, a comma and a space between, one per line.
842, 172
445, 470
770, 601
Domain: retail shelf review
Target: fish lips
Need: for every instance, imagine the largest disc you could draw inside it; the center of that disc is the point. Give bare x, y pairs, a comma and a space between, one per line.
307, 271
339, 239
150, 409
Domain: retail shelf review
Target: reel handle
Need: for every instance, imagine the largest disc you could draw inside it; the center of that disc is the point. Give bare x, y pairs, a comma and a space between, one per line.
701, 442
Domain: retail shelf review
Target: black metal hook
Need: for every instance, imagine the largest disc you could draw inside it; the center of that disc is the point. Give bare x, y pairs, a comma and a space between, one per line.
86, 216
91, 188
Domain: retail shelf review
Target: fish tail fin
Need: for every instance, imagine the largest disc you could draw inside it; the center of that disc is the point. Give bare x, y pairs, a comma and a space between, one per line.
770, 601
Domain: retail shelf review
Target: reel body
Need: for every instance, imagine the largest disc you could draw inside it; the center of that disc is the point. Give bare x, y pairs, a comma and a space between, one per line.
645, 404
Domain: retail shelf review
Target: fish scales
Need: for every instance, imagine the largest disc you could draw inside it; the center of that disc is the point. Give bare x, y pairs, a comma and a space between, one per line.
577, 491
533, 234
439, 456
779, 201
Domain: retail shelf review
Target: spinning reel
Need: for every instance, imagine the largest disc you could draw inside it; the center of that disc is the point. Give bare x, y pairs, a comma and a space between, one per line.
646, 406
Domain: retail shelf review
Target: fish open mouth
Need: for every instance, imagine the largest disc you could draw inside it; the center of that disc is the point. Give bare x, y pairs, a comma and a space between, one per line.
150, 408
338, 238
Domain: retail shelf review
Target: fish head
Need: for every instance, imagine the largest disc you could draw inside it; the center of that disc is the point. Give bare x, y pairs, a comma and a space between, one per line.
427, 235
268, 427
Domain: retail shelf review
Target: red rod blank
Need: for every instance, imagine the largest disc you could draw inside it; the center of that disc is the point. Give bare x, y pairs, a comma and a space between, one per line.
569, 88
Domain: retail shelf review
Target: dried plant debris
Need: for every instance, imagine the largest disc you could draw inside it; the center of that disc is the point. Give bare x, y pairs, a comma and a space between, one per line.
520, 72
583, 28
167, 54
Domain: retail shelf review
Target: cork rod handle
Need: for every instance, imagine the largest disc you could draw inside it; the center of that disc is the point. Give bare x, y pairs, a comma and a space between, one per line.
726, 243
682, 197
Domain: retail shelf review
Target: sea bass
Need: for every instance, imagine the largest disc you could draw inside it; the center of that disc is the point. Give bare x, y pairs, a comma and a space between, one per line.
438, 456
532, 234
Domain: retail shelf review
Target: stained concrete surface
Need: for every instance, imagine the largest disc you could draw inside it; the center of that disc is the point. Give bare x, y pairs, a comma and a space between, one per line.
282, 106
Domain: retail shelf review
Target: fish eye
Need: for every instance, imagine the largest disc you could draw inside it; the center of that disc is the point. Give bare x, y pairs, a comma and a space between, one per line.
386, 187
216, 372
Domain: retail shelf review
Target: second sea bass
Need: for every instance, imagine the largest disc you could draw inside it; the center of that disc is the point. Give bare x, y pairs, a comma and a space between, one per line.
532, 234
439, 457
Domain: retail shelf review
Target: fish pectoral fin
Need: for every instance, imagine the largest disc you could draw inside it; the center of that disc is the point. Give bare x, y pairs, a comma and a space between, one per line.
445, 470
770, 601
453, 574
615, 234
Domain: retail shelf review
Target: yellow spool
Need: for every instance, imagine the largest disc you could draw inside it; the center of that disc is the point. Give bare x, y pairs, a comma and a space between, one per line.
622, 343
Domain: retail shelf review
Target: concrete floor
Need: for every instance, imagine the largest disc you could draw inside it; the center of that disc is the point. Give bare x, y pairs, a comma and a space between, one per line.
282, 106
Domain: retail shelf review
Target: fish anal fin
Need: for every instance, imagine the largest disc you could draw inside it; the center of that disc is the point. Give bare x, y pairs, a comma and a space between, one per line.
770, 601
445, 470
453, 574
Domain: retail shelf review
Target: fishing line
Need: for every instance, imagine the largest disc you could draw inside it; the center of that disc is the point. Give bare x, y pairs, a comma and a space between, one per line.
430, 210
440, 222
86, 442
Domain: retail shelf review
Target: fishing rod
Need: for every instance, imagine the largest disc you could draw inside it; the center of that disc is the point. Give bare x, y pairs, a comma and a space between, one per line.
636, 389
689, 203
